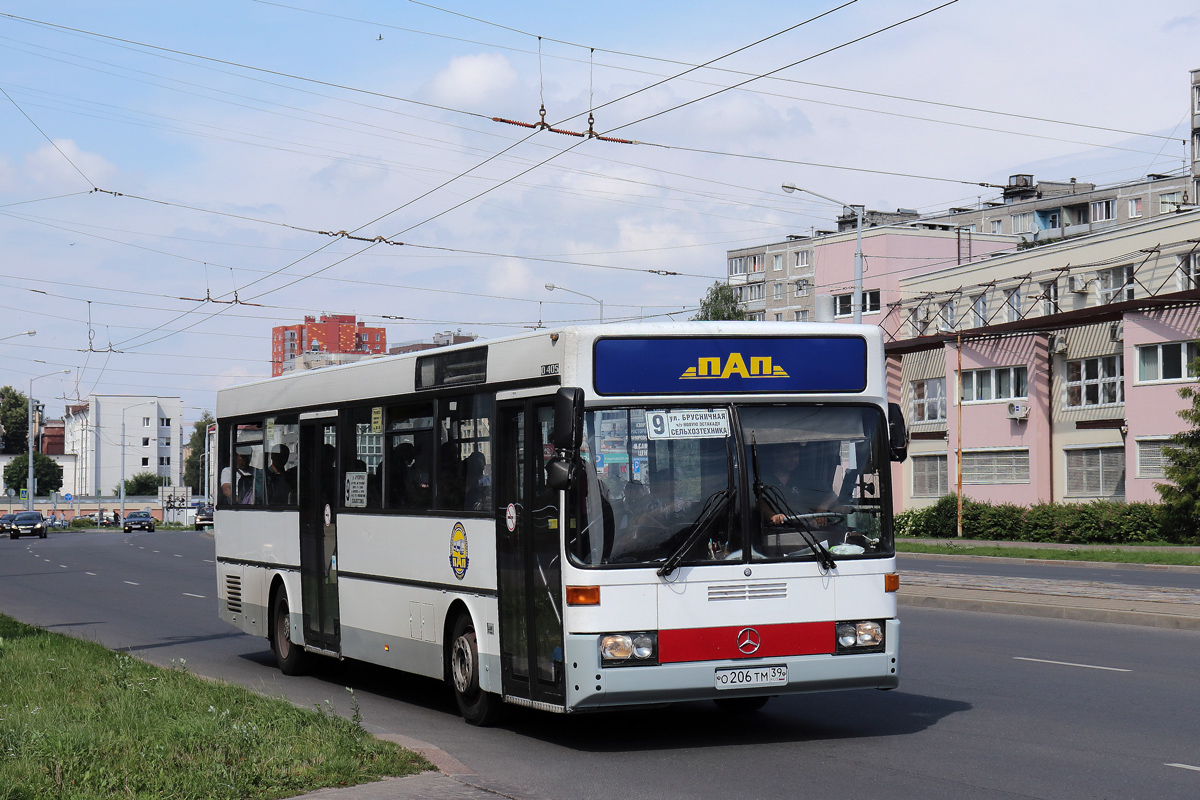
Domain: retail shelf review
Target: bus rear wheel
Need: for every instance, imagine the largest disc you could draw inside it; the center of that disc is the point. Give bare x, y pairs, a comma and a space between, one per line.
477, 706
288, 655
741, 705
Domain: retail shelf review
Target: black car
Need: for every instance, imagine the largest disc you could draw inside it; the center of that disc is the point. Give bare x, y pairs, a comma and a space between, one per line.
139, 520
204, 517
6, 522
28, 523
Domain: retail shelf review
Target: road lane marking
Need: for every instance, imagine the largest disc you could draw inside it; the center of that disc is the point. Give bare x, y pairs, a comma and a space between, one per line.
64, 566
131, 583
178, 556
1070, 664
209, 561
1183, 766
189, 594
89, 573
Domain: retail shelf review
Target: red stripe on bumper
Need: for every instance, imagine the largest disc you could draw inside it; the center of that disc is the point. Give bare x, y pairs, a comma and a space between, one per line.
715, 644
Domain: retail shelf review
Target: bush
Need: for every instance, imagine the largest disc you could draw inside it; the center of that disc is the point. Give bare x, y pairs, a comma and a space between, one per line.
1100, 522
82, 522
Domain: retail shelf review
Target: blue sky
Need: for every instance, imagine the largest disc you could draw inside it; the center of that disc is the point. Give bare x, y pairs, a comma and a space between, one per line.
243, 154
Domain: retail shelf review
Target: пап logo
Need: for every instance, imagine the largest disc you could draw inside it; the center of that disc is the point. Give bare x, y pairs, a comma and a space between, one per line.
760, 367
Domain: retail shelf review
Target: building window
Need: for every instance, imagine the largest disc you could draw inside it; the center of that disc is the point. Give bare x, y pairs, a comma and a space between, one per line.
756, 262
1187, 274
779, 317
1116, 284
1167, 362
777, 261
145, 441
1104, 210
1096, 472
995, 466
928, 402
1135, 207
164, 422
778, 291
802, 258
1002, 383
1095, 381
1012, 304
145, 462
979, 310
843, 304
1022, 223
996, 226
801, 288
1050, 298
166, 442
164, 461
737, 266
802, 316
754, 291
1152, 461
929, 476
946, 317
1169, 202
757, 316
145, 422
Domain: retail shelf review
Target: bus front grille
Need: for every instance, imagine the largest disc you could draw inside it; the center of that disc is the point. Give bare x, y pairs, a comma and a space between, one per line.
746, 591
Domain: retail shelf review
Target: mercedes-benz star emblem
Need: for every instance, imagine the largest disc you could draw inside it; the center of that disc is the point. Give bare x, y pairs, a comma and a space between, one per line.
748, 641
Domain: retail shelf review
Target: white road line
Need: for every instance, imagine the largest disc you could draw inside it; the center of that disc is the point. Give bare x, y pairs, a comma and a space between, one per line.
64, 566
89, 573
177, 555
153, 551
1069, 664
131, 583
1183, 766
209, 561
189, 594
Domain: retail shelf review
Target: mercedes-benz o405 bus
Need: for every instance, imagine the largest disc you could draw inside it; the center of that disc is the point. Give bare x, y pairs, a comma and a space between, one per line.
580, 519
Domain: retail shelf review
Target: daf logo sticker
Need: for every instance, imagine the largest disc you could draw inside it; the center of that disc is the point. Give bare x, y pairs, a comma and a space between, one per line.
748, 641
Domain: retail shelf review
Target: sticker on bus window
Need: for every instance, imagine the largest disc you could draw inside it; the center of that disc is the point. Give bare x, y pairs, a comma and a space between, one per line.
356, 490
683, 423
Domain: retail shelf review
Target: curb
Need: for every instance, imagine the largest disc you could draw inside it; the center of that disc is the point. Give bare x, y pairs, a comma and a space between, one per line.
1040, 609
1054, 562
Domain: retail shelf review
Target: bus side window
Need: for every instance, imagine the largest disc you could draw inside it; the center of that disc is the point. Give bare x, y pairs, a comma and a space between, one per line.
464, 431
362, 451
409, 448
242, 482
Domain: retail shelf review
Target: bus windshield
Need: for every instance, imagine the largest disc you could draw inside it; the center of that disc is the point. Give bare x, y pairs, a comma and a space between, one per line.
705, 480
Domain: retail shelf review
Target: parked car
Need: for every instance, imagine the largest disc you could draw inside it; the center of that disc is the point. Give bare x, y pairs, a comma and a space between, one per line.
140, 520
6, 523
204, 517
28, 523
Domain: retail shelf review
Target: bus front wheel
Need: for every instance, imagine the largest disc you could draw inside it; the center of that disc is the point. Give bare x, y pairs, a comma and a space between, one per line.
288, 654
477, 706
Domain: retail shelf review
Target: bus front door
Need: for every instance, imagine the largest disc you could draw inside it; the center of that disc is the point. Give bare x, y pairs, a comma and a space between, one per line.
527, 537
318, 492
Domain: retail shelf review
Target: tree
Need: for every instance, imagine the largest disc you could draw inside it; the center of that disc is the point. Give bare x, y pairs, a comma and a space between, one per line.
142, 484
47, 475
1181, 497
14, 416
193, 467
720, 302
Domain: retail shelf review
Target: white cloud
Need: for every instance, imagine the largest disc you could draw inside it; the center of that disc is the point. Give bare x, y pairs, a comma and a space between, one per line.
475, 82
47, 165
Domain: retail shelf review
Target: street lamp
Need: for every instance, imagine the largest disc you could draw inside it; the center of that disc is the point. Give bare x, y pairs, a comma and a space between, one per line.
550, 287
125, 411
858, 267
29, 432
13, 335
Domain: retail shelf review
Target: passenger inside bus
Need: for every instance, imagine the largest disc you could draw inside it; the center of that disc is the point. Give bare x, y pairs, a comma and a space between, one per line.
804, 475
281, 481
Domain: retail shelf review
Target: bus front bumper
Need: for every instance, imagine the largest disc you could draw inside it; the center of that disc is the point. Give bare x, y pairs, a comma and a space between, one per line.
590, 686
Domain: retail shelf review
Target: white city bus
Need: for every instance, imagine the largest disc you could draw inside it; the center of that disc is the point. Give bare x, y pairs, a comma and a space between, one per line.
571, 520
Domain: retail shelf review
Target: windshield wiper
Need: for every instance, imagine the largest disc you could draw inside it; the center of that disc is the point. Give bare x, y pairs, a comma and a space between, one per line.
773, 499
714, 505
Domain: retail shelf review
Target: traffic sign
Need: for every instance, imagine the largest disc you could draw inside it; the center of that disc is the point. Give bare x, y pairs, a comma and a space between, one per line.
24, 494
68, 497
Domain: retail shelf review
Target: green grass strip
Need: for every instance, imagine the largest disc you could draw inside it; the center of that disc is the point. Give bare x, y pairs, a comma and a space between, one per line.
1150, 555
80, 721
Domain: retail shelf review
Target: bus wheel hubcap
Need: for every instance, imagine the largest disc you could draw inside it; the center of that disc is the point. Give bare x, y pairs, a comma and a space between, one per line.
462, 665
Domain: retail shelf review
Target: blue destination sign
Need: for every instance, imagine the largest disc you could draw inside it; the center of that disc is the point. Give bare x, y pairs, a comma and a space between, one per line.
741, 365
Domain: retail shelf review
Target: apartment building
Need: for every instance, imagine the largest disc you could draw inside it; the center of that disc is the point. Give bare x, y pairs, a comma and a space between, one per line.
114, 434
331, 334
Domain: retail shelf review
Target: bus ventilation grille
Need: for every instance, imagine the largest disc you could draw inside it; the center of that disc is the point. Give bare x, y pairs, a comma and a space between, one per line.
233, 593
746, 591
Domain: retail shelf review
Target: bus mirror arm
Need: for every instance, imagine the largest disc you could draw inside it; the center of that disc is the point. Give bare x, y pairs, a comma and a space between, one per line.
897, 432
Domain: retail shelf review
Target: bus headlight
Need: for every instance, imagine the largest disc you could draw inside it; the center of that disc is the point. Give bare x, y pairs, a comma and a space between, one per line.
863, 636
628, 649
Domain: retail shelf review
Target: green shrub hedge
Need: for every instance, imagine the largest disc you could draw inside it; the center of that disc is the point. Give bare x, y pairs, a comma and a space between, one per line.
1067, 523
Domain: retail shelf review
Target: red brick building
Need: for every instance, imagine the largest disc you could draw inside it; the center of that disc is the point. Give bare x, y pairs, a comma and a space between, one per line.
337, 333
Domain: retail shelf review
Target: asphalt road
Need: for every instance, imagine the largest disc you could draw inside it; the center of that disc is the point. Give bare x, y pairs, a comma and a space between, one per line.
1181, 579
990, 706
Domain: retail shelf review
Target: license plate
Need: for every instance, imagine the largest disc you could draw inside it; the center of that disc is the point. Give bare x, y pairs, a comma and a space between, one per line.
742, 677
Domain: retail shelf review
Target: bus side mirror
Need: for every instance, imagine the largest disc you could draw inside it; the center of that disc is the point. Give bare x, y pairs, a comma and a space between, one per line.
560, 472
897, 432
568, 419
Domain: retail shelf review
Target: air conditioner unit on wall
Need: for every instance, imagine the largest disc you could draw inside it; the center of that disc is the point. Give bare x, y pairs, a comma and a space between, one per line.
1058, 343
1077, 284
1018, 410
1116, 331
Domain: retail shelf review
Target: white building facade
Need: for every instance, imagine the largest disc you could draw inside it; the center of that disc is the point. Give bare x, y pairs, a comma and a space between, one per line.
115, 435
